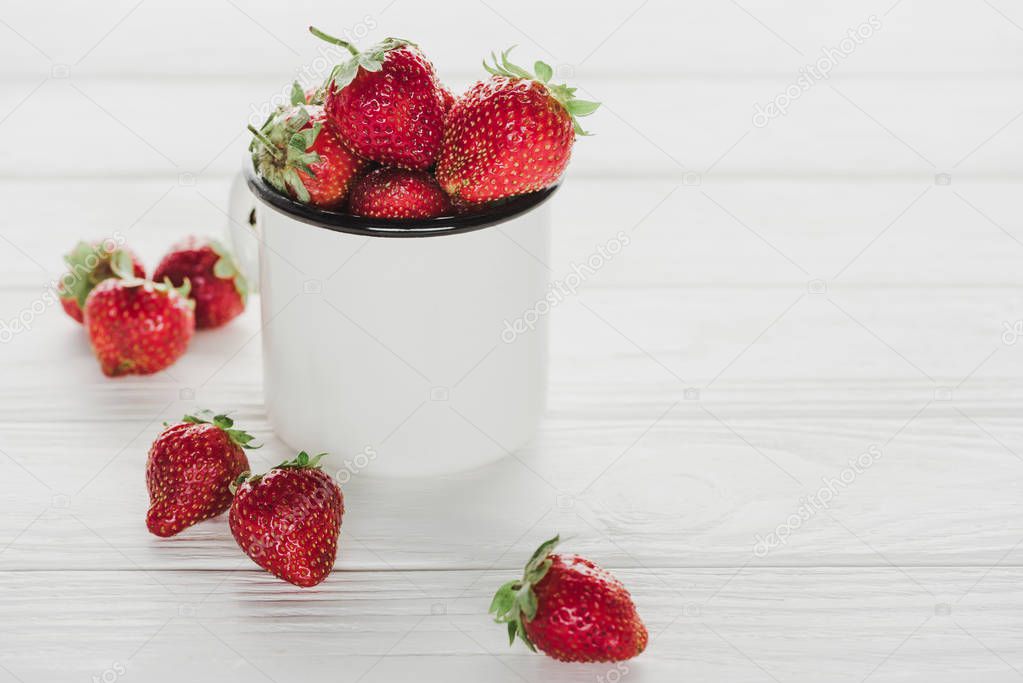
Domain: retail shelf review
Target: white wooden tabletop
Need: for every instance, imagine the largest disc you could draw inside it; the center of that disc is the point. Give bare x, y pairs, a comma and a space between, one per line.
812, 342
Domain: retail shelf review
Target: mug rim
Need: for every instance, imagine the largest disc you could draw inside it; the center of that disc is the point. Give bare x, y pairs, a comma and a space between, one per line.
382, 227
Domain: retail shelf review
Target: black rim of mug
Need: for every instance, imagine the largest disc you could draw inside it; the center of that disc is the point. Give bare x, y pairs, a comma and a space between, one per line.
376, 227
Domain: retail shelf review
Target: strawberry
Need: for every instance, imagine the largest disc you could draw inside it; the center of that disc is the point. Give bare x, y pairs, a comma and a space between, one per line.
288, 520
509, 135
447, 97
218, 287
299, 152
387, 103
571, 609
190, 469
138, 327
90, 264
398, 193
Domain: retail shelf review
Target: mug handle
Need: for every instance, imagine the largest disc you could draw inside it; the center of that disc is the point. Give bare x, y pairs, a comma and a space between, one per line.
243, 231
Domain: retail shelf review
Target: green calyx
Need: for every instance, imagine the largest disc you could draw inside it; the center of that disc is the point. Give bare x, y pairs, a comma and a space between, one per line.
225, 423
298, 95
371, 59
280, 150
302, 461
542, 73
166, 287
226, 268
515, 601
90, 264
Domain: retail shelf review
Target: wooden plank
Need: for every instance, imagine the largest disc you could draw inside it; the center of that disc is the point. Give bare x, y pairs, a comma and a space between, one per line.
853, 334
781, 408
666, 127
808, 379
756, 233
710, 624
755, 36
793, 296
613, 485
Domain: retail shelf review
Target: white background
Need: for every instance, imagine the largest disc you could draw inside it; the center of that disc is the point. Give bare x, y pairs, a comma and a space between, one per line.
838, 279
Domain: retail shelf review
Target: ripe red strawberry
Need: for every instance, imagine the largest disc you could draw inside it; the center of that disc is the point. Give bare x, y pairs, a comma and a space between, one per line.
190, 470
138, 327
571, 609
299, 152
387, 103
509, 135
90, 264
398, 193
218, 287
288, 520
447, 97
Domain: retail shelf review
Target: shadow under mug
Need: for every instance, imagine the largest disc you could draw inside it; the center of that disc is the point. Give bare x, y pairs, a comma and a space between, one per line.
409, 348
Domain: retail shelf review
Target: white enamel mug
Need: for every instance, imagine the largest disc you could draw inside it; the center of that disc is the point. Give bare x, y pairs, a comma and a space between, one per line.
399, 351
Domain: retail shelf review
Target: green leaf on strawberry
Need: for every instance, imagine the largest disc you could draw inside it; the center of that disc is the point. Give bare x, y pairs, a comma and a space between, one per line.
302, 461
279, 150
166, 287
121, 264
297, 94
516, 600
226, 268
225, 423
371, 59
542, 73
90, 264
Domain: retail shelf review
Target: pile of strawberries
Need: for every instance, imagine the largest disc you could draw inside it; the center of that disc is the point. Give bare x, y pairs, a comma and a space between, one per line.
288, 521
141, 326
384, 138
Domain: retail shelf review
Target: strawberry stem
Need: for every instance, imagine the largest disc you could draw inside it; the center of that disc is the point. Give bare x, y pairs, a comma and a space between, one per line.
303, 461
91, 263
515, 601
242, 478
542, 73
335, 41
225, 423
270, 147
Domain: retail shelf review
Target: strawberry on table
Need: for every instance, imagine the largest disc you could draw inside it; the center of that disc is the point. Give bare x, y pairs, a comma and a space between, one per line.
570, 609
509, 135
218, 287
288, 520
88, 265
190, 469
299, 152
138, 327
387, 103
398, 193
